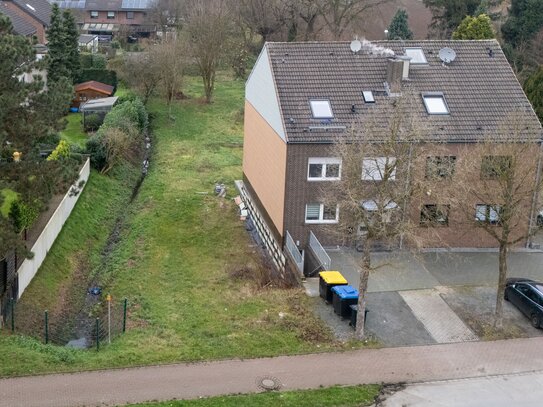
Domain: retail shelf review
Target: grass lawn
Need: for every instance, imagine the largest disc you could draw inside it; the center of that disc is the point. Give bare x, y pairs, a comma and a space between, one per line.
351, 396
8, 196
178, 248
73, 133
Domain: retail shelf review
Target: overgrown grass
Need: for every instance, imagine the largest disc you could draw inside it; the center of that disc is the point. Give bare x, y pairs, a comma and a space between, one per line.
178, 250
73, 133
337, 396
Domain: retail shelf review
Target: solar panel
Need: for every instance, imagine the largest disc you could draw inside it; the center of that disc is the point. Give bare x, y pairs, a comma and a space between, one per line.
137, 4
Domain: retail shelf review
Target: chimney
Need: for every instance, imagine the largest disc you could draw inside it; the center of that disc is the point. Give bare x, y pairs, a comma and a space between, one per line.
395, 74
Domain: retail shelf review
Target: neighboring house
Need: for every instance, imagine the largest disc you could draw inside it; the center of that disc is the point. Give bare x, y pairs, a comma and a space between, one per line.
88, 43
28, 13
129, 16
90, 90
300, 96
39, 71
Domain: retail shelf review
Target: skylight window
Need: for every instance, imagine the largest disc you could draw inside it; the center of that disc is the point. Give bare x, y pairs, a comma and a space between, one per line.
435, 103
368, 96
417, 55
321, 109
30, 7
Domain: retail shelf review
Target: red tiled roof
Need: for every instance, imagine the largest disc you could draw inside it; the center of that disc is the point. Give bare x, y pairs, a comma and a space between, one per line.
96, 86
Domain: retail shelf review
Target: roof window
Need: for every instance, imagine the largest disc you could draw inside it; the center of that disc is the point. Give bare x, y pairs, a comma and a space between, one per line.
417, 55
368, 96
30, 7
321, 109
435, 103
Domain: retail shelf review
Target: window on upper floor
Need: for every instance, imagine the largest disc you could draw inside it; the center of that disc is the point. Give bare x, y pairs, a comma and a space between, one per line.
495, 166
434, 215
94, 14
320, 213
129, 15
417, 55
321, 109
379, 168
440, 167
324, 169
487, 214
435, 103
110, 15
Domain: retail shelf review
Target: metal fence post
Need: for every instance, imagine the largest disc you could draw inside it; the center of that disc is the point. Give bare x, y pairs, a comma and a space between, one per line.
12, 315
124, 314
97, 334
46, 327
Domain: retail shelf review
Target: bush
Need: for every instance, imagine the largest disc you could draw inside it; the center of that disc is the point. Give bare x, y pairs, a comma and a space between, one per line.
97, 151
93, 121
61, 151
93, 61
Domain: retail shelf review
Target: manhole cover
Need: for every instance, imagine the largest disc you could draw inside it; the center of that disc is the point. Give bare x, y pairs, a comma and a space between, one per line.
268, 383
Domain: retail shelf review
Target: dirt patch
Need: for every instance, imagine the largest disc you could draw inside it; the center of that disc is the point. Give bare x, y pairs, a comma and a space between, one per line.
475, 306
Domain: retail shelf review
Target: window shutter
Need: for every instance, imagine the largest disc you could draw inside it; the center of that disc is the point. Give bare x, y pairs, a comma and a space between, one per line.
312, 211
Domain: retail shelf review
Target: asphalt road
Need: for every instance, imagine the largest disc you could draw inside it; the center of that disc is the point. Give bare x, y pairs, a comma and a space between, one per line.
185, 381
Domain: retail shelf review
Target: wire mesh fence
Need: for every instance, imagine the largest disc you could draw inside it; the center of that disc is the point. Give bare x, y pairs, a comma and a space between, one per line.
80, 330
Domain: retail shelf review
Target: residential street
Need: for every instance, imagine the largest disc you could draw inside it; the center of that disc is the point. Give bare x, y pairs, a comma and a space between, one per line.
388, 365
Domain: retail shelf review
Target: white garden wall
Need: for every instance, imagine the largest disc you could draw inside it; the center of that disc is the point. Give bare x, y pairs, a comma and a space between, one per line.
45, 241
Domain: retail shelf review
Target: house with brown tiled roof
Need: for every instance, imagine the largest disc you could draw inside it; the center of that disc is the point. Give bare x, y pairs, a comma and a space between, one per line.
90, 90
29, 17
300, 97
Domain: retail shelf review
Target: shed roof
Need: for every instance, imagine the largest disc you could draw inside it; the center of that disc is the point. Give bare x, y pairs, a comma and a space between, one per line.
99, 105
479, 86
94, 85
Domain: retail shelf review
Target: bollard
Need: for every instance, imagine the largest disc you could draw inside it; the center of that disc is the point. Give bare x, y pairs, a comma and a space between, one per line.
97, 334
46, 327
124, 314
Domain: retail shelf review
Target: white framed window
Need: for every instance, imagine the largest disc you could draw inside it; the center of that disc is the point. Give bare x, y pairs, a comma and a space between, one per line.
417, 55
379, 168
435, 103
487, 213
324, 169
320, 213
321, 109
110, 15
94, 14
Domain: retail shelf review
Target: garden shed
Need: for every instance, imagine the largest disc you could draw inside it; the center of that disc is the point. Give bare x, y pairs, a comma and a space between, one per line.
99, 107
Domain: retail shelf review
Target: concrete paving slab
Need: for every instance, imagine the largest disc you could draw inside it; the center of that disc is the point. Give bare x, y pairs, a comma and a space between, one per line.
391, 322
498, 391
437, 317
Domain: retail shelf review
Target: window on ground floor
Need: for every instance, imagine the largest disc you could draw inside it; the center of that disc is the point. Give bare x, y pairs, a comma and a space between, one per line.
434, 215
487, 213
320, 213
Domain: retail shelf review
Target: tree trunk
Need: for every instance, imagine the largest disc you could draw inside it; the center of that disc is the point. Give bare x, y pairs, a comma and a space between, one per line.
365, 264
502, 276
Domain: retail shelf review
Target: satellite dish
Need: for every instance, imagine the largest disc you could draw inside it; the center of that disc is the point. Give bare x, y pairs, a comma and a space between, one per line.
356, 46
447, 55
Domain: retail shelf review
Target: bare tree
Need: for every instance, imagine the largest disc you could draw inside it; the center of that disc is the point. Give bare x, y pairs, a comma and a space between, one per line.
167, 14
263, 17
375, 187
141, 72
118, 146
495, 188
339, 14
207, 33
170, 56
308, 11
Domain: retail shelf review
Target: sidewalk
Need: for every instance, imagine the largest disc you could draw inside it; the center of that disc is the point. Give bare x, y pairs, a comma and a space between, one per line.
183, 381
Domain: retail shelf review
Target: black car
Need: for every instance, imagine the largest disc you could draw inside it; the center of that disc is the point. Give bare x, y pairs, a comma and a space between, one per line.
527, 296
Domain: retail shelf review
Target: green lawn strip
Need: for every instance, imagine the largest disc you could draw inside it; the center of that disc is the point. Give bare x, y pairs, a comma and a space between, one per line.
337, 396
8, 197
73, 133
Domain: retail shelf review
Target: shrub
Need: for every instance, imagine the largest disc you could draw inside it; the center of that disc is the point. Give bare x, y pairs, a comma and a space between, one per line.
92, 122
97, 151
61, 151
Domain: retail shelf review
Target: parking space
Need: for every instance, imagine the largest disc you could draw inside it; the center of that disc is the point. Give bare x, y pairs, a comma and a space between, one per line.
435, 297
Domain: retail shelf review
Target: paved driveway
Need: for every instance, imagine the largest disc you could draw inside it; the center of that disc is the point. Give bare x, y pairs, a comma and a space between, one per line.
437, 296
